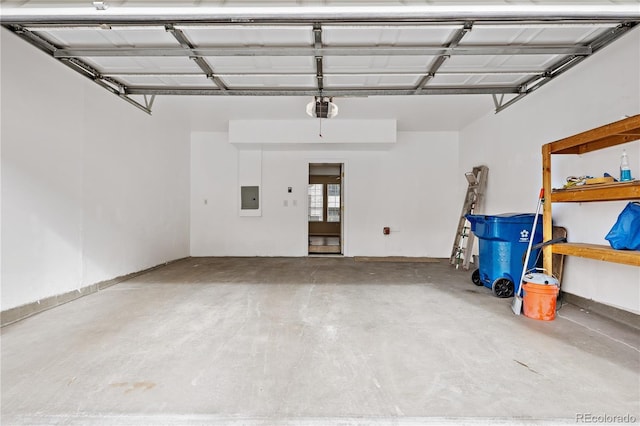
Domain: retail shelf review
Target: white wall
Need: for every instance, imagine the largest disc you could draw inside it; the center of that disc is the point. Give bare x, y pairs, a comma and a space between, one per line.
407, 187
136, 186
92, 188
604, 88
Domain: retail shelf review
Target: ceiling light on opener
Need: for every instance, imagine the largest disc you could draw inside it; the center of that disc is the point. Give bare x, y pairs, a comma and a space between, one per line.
322, 107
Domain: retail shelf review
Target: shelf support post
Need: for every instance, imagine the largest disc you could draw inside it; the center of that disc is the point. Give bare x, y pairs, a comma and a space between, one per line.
547, 228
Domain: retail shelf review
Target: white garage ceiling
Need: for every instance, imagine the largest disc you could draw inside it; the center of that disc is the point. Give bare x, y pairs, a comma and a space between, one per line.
141, 49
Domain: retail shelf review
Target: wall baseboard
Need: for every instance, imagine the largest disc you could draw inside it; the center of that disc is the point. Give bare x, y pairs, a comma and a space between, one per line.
616, 314
24, 311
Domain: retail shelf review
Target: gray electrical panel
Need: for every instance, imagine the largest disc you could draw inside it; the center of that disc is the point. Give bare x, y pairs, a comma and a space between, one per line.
249, 199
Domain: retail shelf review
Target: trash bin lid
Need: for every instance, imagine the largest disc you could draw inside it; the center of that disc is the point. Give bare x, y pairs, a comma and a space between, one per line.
512, 217
540, 278
503, 218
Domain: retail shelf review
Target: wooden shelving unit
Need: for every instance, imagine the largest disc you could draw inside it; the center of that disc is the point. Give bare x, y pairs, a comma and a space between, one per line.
599, 192
612, 134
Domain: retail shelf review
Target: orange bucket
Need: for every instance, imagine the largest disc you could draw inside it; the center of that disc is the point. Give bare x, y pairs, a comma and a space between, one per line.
539, 301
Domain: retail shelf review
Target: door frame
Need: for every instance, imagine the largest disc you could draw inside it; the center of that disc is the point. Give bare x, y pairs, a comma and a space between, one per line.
343, 198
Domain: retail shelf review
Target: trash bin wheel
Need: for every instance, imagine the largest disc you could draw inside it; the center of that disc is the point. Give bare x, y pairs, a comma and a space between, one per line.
502, 287
475, 277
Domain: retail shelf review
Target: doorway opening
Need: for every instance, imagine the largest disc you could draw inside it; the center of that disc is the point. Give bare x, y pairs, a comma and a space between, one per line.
325, 211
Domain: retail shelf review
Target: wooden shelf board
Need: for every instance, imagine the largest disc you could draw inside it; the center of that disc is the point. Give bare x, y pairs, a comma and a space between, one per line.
598, 252
599, 144
598, 192
619, 132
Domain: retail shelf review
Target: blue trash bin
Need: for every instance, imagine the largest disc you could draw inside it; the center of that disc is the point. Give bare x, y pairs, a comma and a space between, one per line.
503, 241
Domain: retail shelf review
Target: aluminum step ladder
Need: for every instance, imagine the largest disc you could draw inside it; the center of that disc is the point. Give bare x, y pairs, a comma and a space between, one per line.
461, 253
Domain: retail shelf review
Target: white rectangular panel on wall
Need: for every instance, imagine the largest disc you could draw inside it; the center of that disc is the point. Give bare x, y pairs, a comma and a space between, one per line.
334, 131
250, 182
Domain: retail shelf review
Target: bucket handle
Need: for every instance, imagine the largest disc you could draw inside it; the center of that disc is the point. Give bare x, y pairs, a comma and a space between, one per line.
546, 243
541, 269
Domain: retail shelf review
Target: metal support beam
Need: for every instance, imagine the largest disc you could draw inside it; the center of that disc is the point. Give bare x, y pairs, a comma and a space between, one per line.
324, 51
148, 101
108, 83
136, 104
455, 40
33, 39
319, 73
356, 92
567, 63
187, 46
317, 38
309, 73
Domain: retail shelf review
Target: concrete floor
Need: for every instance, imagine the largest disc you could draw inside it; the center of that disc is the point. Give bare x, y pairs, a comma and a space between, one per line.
312, 341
